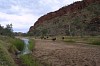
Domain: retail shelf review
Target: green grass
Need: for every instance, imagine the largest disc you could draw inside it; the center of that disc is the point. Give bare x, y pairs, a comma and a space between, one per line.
85, 40
94, 41
19, 44
5, 57
29, 60
69, 40
31, 44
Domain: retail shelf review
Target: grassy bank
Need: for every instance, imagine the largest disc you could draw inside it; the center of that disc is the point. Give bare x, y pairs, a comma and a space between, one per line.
28, 59
19, 44
5, 56
31, 44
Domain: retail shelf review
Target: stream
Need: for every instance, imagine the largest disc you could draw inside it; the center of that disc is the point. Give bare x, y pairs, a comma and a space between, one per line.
26, 49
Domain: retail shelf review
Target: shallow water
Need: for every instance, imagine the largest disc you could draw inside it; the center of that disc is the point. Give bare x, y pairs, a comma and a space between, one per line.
26, 49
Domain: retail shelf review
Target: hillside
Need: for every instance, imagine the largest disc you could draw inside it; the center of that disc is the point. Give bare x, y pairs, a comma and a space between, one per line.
79, 18
6, 58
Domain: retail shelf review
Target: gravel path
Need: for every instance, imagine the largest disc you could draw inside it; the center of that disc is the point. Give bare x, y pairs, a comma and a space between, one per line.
57, 53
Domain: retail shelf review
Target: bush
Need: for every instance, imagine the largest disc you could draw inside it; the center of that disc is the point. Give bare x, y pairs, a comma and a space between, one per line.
19, 44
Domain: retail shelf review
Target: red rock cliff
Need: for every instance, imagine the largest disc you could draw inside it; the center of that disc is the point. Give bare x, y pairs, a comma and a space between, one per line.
64, 10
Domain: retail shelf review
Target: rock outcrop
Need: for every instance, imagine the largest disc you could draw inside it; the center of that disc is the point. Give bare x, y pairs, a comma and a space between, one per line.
64, 10
72, 8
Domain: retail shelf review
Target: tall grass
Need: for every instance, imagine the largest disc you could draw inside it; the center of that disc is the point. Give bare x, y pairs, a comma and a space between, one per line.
29, 60
19, 44
31, 44
5, 58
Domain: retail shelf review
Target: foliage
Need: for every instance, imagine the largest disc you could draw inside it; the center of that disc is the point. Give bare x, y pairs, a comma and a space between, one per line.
44, 32
31, 44
29, 60
7, 31
77, 23
5, 57
19, 44
94, 40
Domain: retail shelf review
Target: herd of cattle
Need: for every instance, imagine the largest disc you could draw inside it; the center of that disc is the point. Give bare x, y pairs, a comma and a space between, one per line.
53, 39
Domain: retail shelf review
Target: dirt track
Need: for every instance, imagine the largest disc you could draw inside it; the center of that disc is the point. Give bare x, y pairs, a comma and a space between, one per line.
57, 53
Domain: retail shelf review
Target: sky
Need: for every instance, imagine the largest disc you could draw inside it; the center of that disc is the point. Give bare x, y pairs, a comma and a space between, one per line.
24, 13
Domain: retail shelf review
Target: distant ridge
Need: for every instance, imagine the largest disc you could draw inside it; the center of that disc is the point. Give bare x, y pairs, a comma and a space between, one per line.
64, 10
72, 8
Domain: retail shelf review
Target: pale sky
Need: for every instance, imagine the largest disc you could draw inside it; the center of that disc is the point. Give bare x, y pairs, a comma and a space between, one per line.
24, 13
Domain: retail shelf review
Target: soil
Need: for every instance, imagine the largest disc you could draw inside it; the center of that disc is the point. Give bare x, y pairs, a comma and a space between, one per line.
58, 53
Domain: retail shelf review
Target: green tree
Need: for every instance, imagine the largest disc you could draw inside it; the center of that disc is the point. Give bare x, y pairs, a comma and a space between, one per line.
8, 31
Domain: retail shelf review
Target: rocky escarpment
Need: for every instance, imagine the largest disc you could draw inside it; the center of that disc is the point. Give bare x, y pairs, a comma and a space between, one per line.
64, 10
71, 11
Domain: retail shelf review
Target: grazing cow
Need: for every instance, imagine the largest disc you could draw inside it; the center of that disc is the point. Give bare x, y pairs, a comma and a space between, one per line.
44, 38
53, 39
47, 37
63, 38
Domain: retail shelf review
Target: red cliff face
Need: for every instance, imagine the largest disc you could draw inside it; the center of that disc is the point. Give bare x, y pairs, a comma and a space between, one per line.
64, 10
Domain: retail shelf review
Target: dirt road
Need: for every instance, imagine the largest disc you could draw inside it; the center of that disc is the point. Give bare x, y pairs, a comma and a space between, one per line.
58, 53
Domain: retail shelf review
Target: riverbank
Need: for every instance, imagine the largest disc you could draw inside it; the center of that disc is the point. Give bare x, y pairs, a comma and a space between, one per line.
10, 49
7, 51
46, 52
26, 57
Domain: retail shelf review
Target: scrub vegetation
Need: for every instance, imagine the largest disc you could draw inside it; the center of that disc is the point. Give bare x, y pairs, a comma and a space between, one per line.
5, 51
29, 60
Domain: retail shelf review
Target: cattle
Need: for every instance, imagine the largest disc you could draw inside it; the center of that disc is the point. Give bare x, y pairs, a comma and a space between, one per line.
63, 38
47, 37
53, 39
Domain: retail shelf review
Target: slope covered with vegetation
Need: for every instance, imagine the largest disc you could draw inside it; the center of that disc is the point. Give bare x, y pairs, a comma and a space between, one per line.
5, 56
78, 23
11, 49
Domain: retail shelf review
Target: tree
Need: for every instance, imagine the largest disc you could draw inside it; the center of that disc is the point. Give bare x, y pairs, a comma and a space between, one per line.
44, 32
8, 30
1, 29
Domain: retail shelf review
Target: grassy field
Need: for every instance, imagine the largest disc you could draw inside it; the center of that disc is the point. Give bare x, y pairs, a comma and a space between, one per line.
86, 40
92, 40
